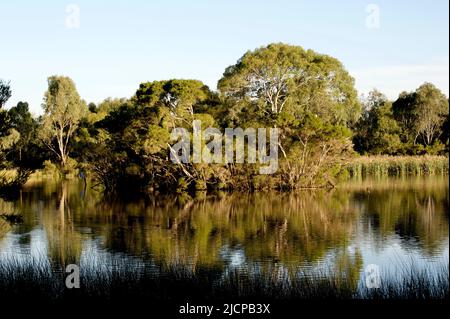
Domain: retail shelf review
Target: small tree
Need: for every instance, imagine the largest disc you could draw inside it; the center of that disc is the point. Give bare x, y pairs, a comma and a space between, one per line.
432, 109
63, 110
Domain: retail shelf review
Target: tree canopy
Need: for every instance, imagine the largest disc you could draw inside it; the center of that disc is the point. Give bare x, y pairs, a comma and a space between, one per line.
281, 78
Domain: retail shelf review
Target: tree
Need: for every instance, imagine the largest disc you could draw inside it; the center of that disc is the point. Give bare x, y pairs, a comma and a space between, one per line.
308, 96
432, 110
377, 132
8, 138
8, 135
403, 109
422, 114
284, 78
5, 92
63, 110
21, 120
130, 144
28, 153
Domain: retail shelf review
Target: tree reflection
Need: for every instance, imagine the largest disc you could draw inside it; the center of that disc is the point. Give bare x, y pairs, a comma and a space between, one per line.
276, 231
414, 211
64, 242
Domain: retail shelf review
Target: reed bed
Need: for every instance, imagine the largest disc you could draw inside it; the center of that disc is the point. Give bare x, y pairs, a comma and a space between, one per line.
382, 166
125, 280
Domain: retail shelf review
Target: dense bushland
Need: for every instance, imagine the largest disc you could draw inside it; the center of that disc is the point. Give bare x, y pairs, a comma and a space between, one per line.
124, 144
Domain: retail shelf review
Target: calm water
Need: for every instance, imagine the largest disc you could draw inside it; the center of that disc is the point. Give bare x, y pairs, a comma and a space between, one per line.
393, 223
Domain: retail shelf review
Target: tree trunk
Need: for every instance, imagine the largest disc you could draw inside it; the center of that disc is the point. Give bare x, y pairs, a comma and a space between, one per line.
63, 160
62, 152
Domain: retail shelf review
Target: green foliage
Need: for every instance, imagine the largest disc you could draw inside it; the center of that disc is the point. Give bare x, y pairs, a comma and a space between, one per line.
63, 110
28, 153
377, 132
51, 170
19, 153
98, 113
284, 78
309, 97
415, 124
174, 101
200, 185
422, 114
8, 138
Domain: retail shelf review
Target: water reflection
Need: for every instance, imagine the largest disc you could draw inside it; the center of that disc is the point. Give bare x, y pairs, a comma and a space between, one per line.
343, 229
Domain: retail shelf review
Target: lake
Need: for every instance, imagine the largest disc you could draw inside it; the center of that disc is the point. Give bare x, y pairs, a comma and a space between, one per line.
398, 224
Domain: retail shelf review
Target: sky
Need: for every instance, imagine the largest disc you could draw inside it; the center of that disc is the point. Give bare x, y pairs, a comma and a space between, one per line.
109, 47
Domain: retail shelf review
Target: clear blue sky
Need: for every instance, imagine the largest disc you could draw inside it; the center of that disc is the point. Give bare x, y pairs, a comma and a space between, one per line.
120, 44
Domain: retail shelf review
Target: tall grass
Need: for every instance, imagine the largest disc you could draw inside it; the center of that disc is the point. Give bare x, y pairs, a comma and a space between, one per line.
125, 280
381, 166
